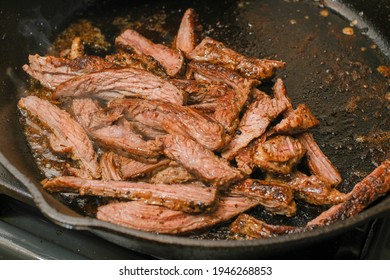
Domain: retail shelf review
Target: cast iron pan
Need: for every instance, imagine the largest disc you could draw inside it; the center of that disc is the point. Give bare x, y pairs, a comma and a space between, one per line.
335, 74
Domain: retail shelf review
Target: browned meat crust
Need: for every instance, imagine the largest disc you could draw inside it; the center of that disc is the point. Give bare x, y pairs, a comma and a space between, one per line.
297, 121
188, 34
174, 119
275, 197
66, 131
248, 227
52, 71
138, 215
210, 50
363, 194
279, 154
171, 60
126, 82
190, 198
200, 161
311, 189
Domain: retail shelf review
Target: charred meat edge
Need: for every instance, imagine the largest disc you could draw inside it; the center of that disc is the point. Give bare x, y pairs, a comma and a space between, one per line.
191, 198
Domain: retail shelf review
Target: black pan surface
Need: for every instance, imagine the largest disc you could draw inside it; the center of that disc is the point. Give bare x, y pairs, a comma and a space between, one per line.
334, 73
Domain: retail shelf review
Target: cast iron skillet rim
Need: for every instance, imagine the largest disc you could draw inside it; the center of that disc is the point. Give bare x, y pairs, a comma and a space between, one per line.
91, 224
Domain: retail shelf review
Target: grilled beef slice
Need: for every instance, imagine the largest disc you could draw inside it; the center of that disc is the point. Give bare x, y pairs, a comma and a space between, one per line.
317, 161
125, 82
200, 161
119, 136
116, 167
212, 51
297, 121
279, 154
188, 34
220, 74
254, 123
174, 119
171, 60
311, 189
138, 215
67, 132
375, 185
248, 227
191, 198
200, 91
275, 197
52, 71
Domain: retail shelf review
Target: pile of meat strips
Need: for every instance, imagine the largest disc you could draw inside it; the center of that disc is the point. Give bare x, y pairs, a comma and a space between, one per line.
172, 136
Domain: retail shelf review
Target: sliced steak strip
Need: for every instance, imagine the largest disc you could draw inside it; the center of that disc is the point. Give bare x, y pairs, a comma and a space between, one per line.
125, 82
120, 137
318, 163
372, 187
254, 123
220, 74
191, 198
200, 161
228, 108
275, 197
110, 167
210, 50
174, 119
279, 154
91, 116
200, 91
245, 156
188, 34
138, 215
297, 121
52, 71
171, 60
248, 227
117, 168
66, 131
311, 189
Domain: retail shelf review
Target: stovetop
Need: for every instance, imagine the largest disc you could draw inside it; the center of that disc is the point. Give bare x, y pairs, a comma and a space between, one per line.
26, 234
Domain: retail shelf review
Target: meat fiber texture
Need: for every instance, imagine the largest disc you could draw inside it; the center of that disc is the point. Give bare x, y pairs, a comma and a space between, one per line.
170, 135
